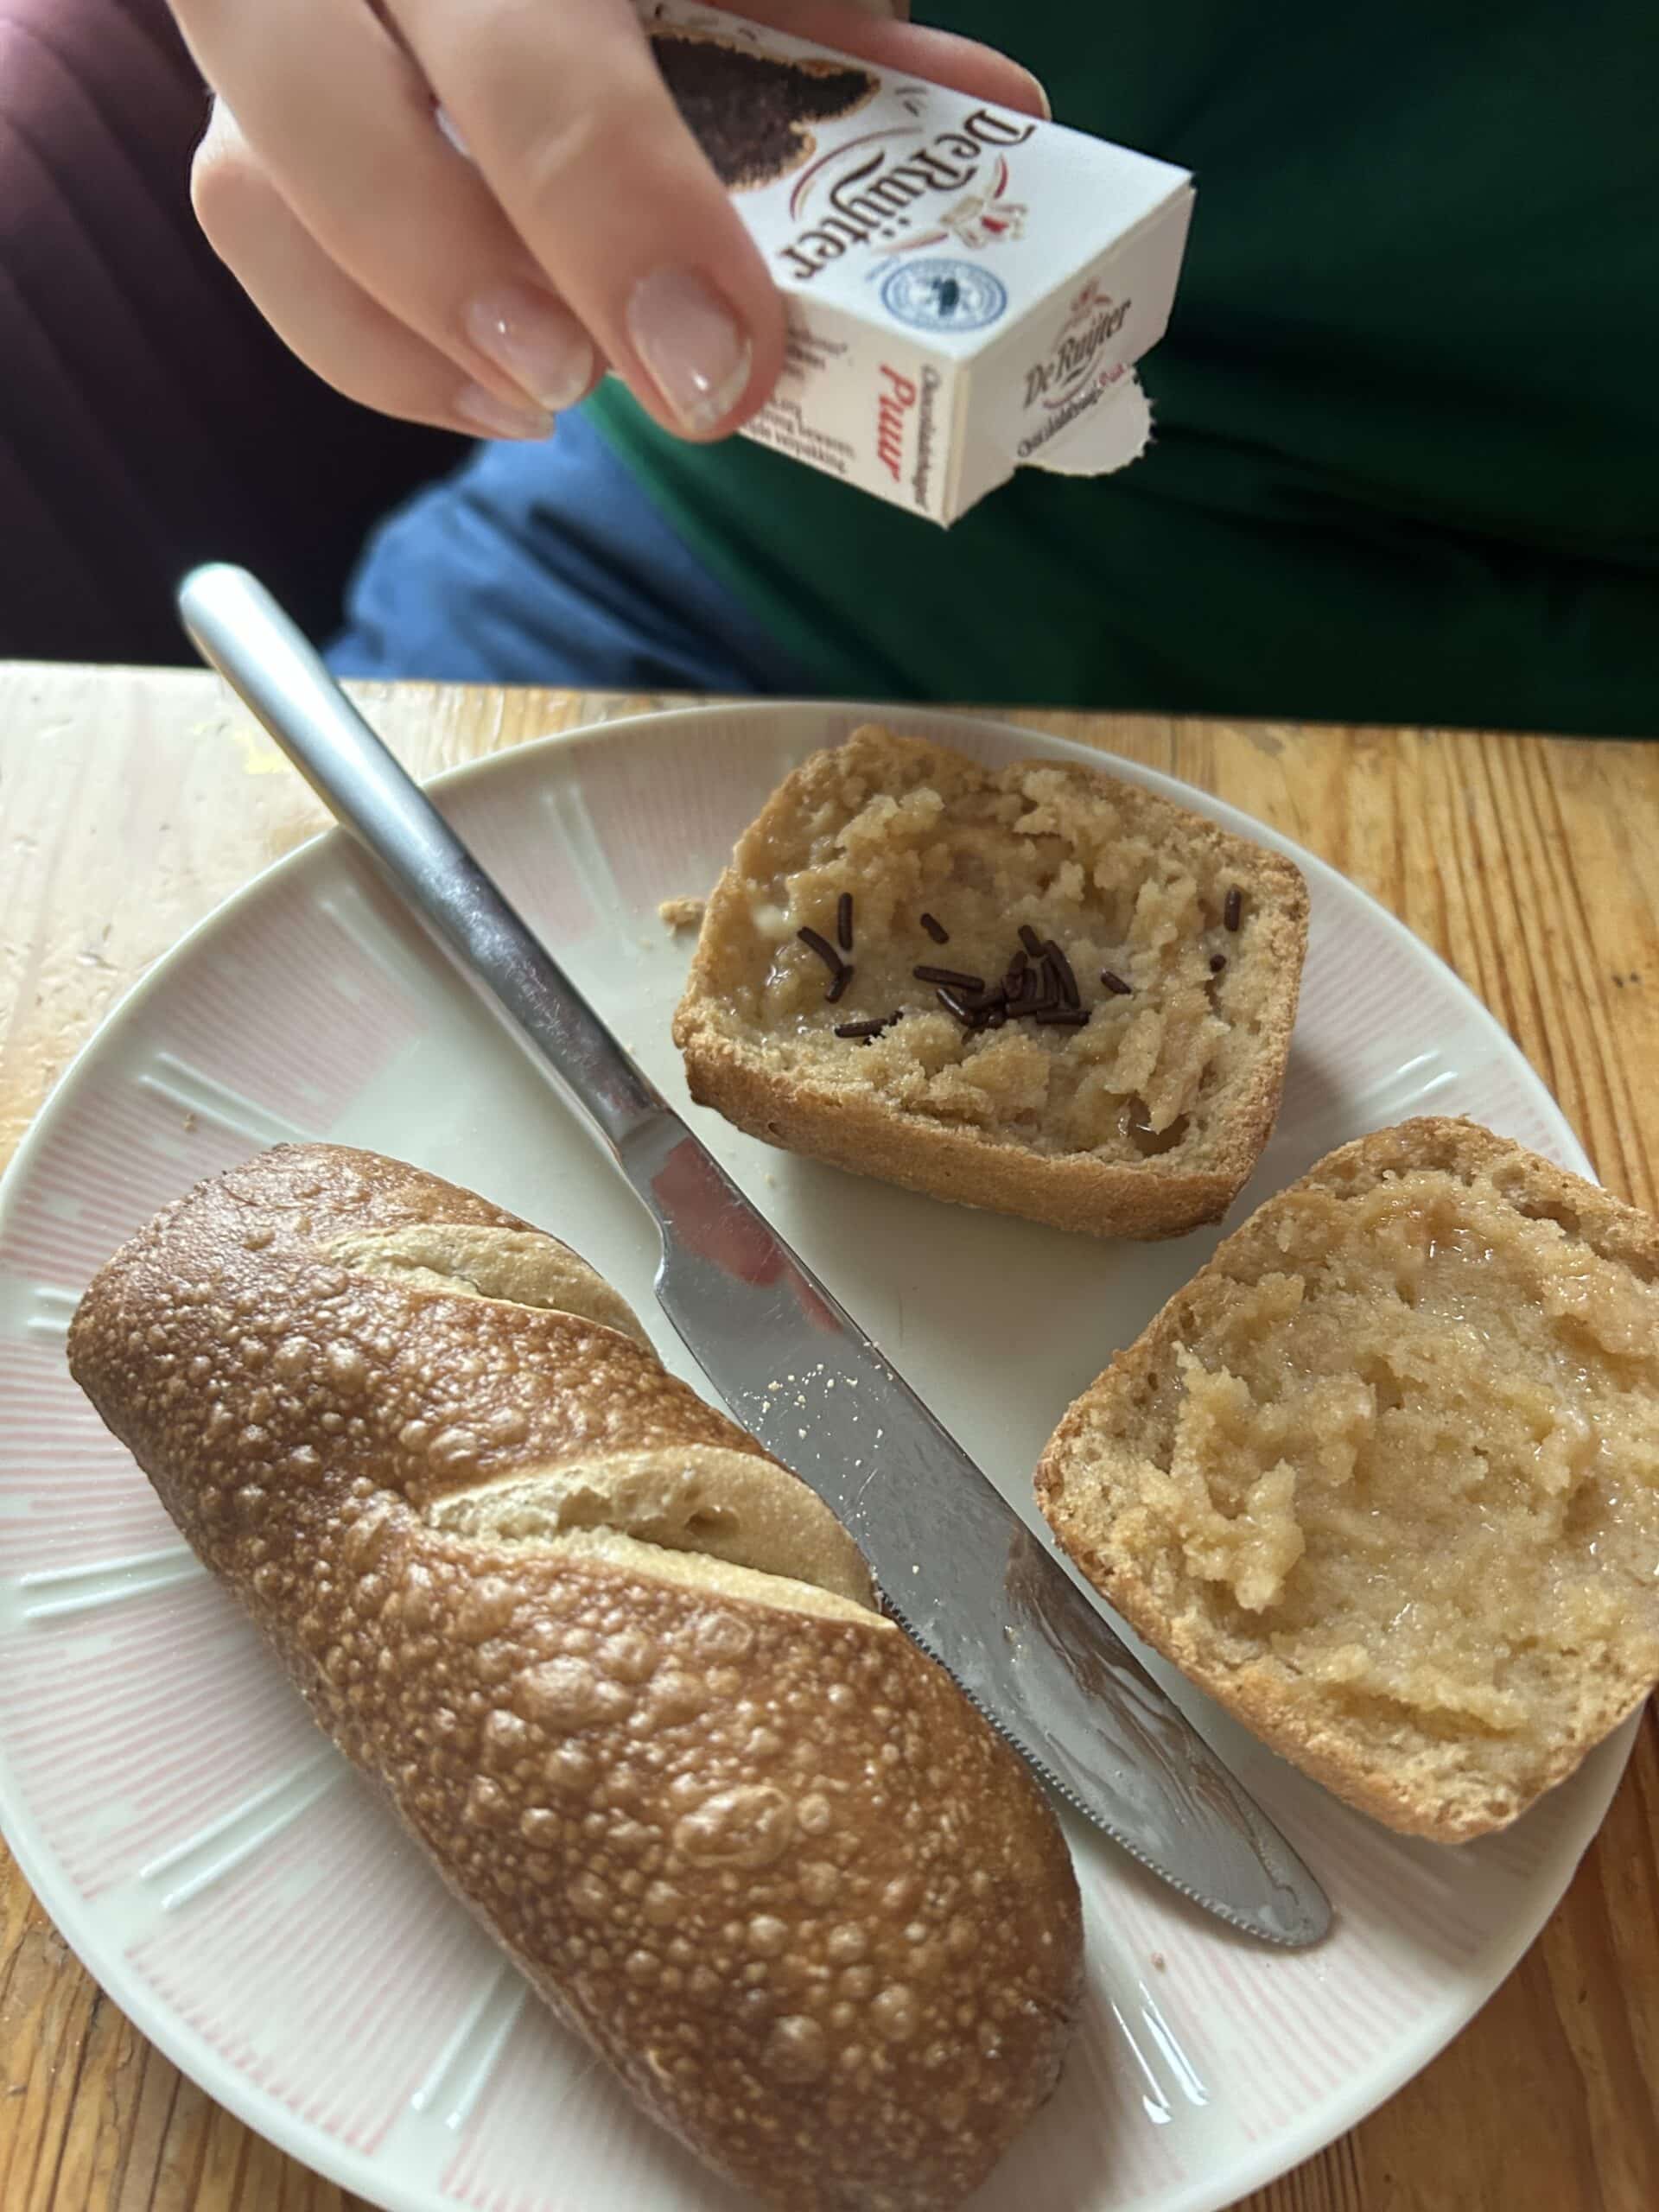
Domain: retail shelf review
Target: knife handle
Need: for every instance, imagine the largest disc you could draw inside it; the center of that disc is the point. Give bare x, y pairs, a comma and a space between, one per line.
240, 630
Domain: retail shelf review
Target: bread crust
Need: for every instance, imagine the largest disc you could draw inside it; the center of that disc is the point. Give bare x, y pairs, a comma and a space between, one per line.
866, 1133
767, 1859
1432, 1788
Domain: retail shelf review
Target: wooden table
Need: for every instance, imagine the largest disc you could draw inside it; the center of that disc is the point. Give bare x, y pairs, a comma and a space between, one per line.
131, 803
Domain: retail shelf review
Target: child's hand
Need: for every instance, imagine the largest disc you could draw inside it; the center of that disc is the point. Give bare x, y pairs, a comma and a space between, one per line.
486, 293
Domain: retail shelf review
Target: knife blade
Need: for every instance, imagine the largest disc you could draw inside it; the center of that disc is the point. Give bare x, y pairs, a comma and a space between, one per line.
958, 1566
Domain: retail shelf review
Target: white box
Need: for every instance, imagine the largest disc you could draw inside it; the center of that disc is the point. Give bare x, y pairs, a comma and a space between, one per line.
967, 288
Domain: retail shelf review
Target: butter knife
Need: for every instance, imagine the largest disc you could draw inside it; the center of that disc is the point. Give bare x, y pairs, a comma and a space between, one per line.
989, 1598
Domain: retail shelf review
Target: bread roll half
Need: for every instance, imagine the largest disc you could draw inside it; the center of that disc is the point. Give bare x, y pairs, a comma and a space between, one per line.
1383, 1479
621, 1675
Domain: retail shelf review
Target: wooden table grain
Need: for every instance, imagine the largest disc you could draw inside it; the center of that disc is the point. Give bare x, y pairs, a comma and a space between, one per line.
131, 802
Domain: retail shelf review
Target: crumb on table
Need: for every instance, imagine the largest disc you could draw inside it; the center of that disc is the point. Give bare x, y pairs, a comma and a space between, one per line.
683, 914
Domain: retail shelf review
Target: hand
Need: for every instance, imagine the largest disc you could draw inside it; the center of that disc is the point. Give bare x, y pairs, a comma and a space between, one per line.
486, 293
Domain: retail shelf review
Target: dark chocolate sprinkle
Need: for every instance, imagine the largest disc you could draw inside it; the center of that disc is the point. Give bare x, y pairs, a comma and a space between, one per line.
863, 1028
1114, 983
822, 946
1030, 939
749, 111
935, 929
952, 1004
1217, 962
1234, 907
844, 921
838, 983
1062, 967
1069, 1017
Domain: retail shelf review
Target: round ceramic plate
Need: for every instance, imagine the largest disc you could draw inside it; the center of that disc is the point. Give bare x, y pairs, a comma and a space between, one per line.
248, 1901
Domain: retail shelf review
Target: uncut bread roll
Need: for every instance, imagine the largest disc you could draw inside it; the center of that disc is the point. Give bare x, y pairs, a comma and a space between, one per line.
620, 1673
1125, 1087
1384, 1477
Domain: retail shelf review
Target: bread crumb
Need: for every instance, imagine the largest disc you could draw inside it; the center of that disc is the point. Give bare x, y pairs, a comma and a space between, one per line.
681, 913
1157, 1962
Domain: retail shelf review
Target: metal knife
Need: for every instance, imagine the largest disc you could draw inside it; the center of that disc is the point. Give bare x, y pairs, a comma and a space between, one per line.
960, 1570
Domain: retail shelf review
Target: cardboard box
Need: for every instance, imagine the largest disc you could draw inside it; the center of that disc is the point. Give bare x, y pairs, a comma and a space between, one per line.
967, 288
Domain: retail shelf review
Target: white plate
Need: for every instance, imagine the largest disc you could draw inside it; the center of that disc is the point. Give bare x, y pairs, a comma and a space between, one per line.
249, 1903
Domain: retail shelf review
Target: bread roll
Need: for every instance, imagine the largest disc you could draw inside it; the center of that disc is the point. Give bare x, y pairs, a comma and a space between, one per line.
1120, 1070
1384, 1477
620, 1673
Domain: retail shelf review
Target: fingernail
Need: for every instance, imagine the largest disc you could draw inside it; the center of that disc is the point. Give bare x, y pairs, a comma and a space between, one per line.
501, 418
695, 349
1041, 91
540, 344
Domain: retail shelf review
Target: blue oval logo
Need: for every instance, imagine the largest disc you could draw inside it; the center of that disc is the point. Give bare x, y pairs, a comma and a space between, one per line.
944, 295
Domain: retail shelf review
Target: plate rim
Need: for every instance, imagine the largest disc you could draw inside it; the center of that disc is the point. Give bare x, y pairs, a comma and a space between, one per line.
1253, 2166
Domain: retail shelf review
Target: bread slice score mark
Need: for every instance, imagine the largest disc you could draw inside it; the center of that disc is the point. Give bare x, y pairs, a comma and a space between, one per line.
728, 1521
510, 1266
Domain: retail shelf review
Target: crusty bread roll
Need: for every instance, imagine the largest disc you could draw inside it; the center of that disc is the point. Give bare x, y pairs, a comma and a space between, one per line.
1384, 1477
621, 1675
1119, 1069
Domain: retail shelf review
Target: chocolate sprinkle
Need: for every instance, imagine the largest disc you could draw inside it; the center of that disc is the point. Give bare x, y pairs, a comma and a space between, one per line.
1234, 907
822, 946
935, 929
957, 977
1114, 983
863, 1028
1030, 939
1069, 1017
749, 112
838, 983
1217, 962
844, 921
1062, 967
952, 1004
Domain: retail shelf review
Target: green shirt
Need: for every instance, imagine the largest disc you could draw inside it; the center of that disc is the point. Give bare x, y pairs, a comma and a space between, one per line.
1407, 456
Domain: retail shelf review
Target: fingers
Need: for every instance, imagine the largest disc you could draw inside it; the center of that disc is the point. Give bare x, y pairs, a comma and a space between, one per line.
908, 50
567, 115
569, 119
339, 122
486, 290
317, 310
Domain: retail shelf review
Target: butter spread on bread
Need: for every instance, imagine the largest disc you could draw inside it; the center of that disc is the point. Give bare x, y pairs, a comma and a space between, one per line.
1384, 1477
1037, 989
